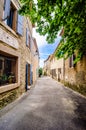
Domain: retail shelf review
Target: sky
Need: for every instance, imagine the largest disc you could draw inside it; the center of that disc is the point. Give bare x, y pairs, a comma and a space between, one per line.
45, 49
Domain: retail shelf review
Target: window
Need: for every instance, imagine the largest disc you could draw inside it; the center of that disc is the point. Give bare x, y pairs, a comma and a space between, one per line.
7, 70
71, 61
59, 70
12, 18
54, 72
28, 39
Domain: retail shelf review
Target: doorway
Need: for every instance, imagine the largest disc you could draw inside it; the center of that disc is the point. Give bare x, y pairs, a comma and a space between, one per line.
28, 76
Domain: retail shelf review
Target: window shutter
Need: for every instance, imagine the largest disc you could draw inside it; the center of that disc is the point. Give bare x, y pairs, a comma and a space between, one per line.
30, 42
6, 8
69, 61
30, 74
27, 37
26, 76
73, 60
20, 25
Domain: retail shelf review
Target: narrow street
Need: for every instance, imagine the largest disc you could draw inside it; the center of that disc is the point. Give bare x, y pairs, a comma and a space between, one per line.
47, 106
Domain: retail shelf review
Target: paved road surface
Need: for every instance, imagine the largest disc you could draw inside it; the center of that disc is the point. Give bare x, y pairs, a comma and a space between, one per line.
47, 106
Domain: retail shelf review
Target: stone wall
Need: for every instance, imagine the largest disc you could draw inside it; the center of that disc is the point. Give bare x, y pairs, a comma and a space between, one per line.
35, 60
8, 97
25, 57
76, 75
58, 66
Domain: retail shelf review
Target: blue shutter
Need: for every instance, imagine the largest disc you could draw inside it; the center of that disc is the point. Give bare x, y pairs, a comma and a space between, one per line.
30, 74
30, 42
6, 8
27, 37
10, 19
26, 76
20, 25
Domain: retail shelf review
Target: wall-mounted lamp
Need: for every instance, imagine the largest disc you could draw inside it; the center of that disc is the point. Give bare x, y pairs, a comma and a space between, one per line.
36, 53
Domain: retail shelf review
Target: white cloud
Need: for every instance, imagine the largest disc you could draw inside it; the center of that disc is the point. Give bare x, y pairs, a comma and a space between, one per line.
41, 40
41, 64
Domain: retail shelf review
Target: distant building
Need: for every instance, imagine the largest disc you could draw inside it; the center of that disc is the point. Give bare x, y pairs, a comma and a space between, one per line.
47, 66
57, 68
54, 67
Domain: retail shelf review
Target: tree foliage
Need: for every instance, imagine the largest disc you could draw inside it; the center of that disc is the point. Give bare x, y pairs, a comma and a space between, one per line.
40, 72
53, 15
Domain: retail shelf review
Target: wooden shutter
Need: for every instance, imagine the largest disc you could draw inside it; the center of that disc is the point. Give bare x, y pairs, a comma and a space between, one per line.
29, 42
26, 76
30, 74
73, 60
70, 62
20, 25
6, 8
27, 37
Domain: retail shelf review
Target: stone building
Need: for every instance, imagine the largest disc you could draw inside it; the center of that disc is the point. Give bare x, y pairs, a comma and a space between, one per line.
57, 68
75, 74
47, 66
65, 70
35, 60
15, 51
54, 67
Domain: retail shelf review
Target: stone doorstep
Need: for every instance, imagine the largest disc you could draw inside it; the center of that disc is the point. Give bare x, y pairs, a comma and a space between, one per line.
29, 86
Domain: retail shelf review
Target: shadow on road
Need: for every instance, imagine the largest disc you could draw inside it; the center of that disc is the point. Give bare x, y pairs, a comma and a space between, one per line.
80, 120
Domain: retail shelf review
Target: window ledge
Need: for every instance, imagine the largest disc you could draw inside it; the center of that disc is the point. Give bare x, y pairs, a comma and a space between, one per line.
6, 88
8, 28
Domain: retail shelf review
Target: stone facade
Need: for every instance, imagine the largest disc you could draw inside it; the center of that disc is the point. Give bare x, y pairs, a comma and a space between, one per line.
57, 68
54, 67
35, 60
15, 51
47, 66
65, 70
77, 72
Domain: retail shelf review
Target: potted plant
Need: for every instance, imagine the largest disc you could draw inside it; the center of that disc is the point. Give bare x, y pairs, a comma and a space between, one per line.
11, 78
3, 79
